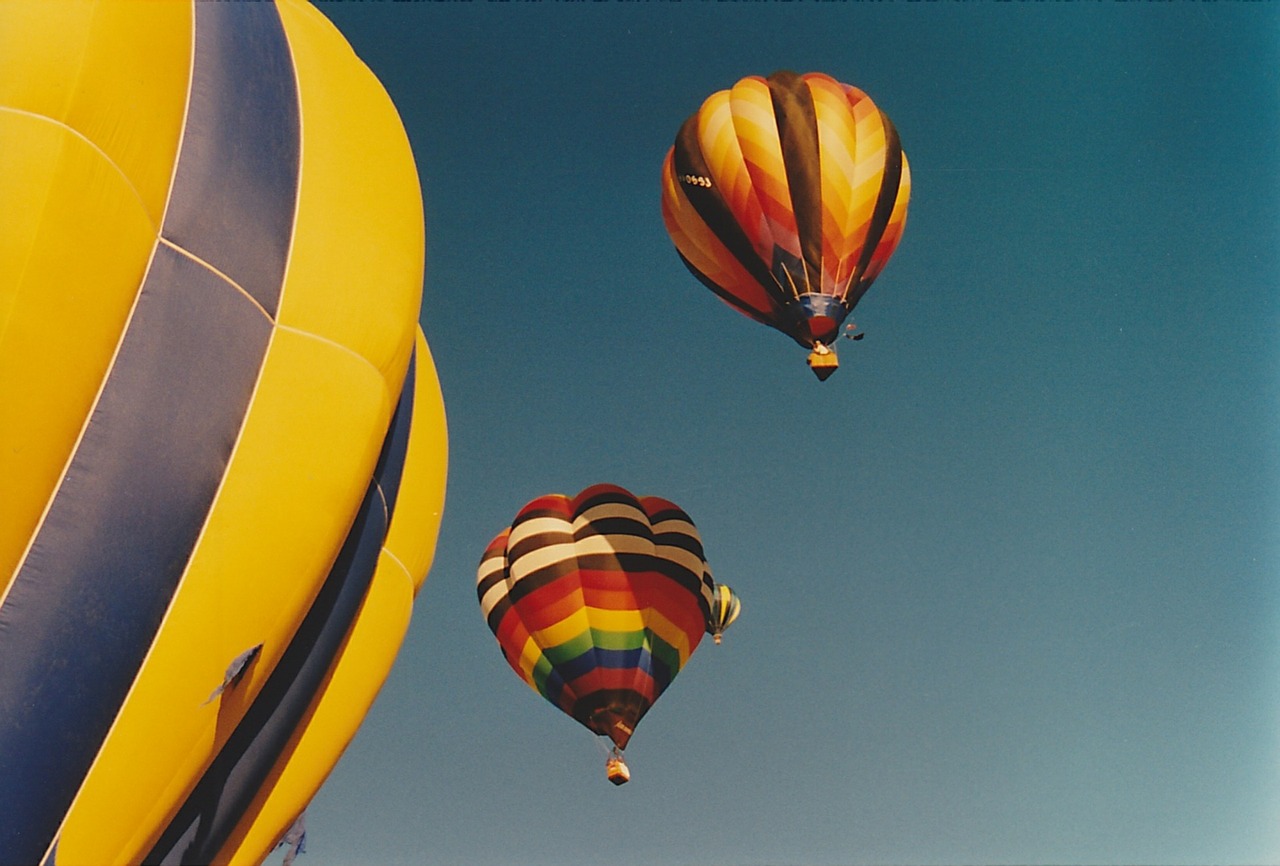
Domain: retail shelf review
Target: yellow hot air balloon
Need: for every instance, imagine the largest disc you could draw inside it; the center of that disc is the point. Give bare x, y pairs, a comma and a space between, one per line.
222, 440
725, 608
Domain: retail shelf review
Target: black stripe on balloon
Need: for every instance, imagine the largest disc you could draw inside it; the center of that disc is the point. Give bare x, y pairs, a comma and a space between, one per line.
235, 187
616, 525
761, 316
797, 123
226, 790
883, 212
682, 576
540, 577
544, 575
533, 541
493, 578
603, 494
626, 562
669, 512
224, 793
682, 540
390, 468
711, 208
496, 615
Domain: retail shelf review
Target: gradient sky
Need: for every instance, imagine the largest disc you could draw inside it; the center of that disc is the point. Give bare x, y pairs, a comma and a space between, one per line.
1010, 577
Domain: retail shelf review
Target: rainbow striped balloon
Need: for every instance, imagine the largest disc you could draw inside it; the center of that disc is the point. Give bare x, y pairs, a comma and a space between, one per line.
597, 602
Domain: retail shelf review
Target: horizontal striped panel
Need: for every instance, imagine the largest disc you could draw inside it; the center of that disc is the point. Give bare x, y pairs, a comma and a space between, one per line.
550, 635
589, 603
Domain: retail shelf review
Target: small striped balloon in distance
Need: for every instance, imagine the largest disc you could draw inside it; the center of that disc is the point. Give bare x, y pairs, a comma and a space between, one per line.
786, 196
598, 601
725, 608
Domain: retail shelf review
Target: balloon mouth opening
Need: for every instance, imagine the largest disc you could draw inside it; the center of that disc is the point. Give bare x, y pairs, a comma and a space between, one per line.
817, 318
614, 722
822, 329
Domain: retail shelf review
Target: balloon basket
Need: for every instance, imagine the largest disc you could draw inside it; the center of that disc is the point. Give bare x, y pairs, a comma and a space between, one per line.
823, 362
616, 770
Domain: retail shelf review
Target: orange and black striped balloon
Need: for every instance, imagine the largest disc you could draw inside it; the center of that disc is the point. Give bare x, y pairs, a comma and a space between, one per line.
786, 196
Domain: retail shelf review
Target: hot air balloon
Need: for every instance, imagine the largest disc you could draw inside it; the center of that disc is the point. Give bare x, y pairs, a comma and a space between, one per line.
222, 440
725, 607
597, 603
786, 196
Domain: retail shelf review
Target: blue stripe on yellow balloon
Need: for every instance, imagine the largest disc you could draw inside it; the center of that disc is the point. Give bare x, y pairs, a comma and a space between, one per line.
85, 604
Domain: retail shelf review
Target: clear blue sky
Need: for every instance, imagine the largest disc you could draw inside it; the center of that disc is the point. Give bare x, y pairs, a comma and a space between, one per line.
1011, 577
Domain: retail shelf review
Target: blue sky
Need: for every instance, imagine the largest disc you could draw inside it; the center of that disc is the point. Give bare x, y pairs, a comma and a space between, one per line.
1009, 577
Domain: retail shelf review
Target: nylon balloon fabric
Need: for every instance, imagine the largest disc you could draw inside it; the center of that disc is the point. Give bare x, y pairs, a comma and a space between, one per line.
786, 196
223, 452
597, 602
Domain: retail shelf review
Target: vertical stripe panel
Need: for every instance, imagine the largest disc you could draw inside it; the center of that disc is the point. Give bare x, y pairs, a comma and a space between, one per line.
390, 466
236, 183
798, 137
87, 600
210, 814
710, 240
886, 198
220, 799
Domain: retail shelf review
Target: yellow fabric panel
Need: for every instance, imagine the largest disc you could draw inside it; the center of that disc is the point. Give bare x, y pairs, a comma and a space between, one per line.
756, 129
41, 47
530, 655
411, 538
897, 224
669, 632
355, 680
115, 72
869, 163
603, 619
358, 191
73, 253
718, 141
295, 480
581, 621
835, 146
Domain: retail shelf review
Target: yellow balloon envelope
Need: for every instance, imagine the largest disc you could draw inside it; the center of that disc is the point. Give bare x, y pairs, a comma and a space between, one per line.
222, 440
